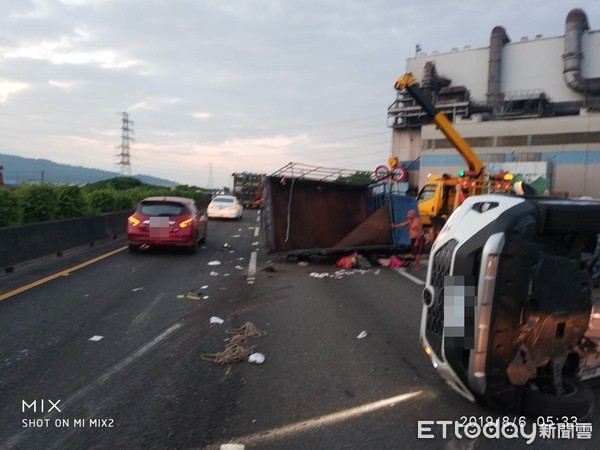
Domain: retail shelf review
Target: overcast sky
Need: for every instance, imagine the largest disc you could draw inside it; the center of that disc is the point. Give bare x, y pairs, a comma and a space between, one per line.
236, 85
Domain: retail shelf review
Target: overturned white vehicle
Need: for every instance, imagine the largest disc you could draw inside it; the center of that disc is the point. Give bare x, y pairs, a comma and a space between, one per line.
510, 318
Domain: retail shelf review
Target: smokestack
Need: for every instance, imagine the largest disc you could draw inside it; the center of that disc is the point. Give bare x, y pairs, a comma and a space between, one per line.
498, 40
576, 25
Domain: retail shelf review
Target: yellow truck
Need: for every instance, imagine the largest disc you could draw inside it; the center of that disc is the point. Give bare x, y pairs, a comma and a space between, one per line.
443, 193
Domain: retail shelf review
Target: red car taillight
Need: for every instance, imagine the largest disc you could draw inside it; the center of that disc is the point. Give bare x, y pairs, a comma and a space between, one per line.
185, 223
133, 221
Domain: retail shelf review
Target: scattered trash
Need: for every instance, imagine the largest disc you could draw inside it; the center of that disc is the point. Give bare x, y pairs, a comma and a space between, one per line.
256, 358
214, 263
396, 262
226, 245
362, 262
215, 319
236, 236
96, 338
384, 262
303, 264
239, 267
137, 289
255, 243
241, 258
180, 296
214, 274
319, 275
347, 262
204, 287
362, 335
205, 297
377, 272
226, 274
194, 295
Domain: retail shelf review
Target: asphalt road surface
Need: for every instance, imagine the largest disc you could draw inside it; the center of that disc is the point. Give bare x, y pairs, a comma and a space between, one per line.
113, 354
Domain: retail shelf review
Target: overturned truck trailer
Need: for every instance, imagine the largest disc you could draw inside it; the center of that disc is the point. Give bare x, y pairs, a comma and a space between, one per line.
319, 211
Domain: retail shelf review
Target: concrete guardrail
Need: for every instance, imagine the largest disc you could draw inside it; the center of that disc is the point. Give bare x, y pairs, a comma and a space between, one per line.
21, 243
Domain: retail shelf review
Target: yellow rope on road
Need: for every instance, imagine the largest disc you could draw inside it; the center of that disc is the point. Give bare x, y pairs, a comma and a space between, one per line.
237, 347
248, 329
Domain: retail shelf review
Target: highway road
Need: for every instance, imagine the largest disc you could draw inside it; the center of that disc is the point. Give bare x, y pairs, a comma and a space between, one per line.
110, 354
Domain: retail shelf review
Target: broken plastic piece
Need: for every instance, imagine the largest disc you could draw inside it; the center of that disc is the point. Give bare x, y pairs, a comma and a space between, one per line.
362, 335
256, 358
214, 263
215, 319
137, 289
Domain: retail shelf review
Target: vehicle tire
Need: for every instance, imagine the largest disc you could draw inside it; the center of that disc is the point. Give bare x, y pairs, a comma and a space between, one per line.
133, 248
577, 401
194, 247
203, 240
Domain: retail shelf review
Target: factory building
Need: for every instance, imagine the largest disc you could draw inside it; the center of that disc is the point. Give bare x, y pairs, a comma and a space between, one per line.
531, 100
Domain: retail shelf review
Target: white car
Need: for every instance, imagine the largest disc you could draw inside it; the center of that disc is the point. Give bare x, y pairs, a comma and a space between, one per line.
225, 207
511, 314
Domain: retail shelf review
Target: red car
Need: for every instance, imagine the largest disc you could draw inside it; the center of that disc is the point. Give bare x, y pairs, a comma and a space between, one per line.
166, 221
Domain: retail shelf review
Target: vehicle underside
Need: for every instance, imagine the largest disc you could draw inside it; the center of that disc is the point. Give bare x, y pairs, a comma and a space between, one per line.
512, 308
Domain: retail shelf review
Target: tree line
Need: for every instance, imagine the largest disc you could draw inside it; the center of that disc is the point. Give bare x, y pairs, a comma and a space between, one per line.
41, 202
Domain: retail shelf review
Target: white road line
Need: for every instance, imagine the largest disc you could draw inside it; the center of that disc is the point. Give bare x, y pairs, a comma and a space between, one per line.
124, 363
412, 278
256, 230
16, 438
252, 268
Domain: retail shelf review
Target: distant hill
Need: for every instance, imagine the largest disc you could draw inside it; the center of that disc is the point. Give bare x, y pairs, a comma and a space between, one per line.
23, 170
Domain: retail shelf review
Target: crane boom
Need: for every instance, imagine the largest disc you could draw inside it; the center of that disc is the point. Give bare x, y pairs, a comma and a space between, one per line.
408, 82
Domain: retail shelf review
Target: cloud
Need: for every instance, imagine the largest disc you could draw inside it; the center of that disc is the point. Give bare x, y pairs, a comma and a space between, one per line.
8, 88
62, 84
201, 115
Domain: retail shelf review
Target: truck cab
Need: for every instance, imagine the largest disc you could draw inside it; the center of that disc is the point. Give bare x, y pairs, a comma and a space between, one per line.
437, 197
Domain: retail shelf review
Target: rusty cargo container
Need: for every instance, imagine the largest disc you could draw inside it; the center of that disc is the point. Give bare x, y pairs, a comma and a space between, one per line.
304, 215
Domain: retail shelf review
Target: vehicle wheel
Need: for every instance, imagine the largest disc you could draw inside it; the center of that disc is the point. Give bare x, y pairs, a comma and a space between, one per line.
203, 240
194, 247
578, 401
133, 248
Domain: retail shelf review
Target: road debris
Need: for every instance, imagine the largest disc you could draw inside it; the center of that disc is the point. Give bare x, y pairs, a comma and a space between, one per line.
303, 263
214, 263
237, 347
319, 275
256, 358
194, 294
214, 274
239, 267
217, 320
362, 335
137, 289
